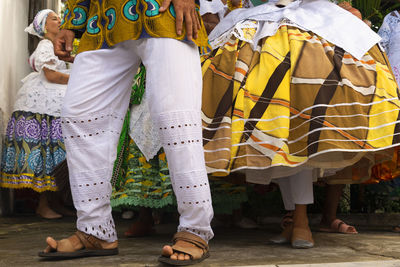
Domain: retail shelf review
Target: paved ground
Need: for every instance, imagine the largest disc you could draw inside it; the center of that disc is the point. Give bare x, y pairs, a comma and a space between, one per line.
22, 237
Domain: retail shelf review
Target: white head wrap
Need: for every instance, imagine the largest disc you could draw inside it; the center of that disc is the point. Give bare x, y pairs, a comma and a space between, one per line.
37, 27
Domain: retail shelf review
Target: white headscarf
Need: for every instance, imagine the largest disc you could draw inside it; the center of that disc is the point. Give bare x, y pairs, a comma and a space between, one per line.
37, 27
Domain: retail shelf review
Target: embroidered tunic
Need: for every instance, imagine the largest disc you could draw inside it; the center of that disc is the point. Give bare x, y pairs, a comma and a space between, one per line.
104, 23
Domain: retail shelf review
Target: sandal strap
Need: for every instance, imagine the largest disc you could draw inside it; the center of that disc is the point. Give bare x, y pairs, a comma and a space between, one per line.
89, 241
341, 226
337, 224
193, 239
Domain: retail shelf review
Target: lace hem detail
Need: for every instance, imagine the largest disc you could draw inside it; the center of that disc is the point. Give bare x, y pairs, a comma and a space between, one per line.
104, 230
252, 31
143, 130
244, 31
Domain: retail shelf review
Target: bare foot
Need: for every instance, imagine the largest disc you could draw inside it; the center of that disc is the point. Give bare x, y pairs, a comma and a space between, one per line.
47, 213
336, 226
167, 251
73, 243
65, 211
69, 244
44, 210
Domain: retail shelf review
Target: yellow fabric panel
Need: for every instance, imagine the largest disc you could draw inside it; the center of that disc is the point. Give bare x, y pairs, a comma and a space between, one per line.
123, 20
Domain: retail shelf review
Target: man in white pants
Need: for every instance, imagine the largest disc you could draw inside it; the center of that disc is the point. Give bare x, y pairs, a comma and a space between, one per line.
97, 100
297, 193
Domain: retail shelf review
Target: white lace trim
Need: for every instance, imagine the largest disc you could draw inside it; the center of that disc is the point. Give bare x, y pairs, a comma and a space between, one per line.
37, 95
313, 15
143, 130
252, 31
44, 57
240, 31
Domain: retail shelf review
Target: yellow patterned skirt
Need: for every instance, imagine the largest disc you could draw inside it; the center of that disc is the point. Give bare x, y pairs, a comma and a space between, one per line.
298, 101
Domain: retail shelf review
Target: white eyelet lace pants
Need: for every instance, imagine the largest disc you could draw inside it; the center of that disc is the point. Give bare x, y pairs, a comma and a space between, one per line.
95, 104
297, 189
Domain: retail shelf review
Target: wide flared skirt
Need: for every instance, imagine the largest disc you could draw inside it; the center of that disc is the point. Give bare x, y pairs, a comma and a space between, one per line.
33, 147
297, 101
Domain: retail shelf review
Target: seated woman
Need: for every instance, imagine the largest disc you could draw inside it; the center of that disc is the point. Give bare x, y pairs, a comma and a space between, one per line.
34, 145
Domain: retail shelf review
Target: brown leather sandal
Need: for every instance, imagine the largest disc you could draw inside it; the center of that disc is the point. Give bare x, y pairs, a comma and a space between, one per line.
338, 226
91, 248
195, 255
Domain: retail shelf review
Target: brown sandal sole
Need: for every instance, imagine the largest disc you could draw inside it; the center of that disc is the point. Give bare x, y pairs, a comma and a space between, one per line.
78, 254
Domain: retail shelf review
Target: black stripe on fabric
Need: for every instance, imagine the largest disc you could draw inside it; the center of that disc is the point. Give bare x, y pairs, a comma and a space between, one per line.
396, 138
269, 91
324, 96
209, 56
224, 105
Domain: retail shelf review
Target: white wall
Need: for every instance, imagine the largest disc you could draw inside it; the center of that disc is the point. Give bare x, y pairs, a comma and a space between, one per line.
13, 51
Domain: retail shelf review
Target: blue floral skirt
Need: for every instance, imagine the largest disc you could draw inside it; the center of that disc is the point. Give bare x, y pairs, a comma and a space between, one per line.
33, 147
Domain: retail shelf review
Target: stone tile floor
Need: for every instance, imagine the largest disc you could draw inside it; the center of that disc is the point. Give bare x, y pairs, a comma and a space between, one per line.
21, 238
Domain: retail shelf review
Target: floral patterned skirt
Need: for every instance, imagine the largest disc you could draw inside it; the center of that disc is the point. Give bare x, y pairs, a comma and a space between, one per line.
33, 147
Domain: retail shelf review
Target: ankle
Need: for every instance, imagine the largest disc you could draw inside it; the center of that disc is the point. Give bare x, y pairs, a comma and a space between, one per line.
327, 220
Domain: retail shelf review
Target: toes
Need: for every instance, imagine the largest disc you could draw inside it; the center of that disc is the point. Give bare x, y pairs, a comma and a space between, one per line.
181, 256
48, 249
167, 251
187, 257
352, 229
174, 256
51, 244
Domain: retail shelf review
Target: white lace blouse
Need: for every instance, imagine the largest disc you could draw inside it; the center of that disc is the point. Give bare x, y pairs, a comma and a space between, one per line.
37, 94
390, 33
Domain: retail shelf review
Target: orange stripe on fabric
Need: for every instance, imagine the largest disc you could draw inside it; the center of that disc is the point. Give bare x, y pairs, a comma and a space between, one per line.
272, 101
274, 148
212, 67
325, 123
238, 113
369, 62
240, 70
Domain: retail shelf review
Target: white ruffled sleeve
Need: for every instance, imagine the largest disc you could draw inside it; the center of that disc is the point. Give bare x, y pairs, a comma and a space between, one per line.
385, 32
44, 56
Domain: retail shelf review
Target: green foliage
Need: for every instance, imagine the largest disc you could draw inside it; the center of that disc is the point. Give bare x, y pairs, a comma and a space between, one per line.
383, 197
376, 10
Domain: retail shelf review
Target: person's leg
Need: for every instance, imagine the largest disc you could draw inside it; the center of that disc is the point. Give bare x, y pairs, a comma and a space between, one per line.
302, 192
297, 193
329, 222
287, 225
43, 209
332, 198
286, 193
143, 226
93, 112
173, 87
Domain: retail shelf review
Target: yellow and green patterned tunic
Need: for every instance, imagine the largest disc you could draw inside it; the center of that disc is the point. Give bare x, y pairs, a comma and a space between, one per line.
104, 23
